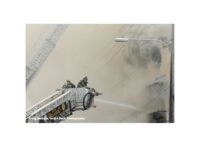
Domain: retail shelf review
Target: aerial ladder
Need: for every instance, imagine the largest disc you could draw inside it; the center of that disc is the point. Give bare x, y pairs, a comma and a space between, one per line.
61, 104
44, 46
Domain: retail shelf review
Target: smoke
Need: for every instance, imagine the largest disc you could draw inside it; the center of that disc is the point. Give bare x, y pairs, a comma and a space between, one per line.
155, 54
146, 60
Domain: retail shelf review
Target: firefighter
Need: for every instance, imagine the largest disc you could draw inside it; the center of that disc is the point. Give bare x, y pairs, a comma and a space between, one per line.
83, 82
68, 84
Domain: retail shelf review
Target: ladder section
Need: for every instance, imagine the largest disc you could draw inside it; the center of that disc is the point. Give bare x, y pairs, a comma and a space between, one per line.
44, 47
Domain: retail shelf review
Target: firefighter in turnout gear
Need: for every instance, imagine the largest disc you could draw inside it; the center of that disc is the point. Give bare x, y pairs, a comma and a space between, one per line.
68, 84
83, 83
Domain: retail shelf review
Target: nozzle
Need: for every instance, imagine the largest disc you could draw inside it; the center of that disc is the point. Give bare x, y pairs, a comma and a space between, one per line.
97, 93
